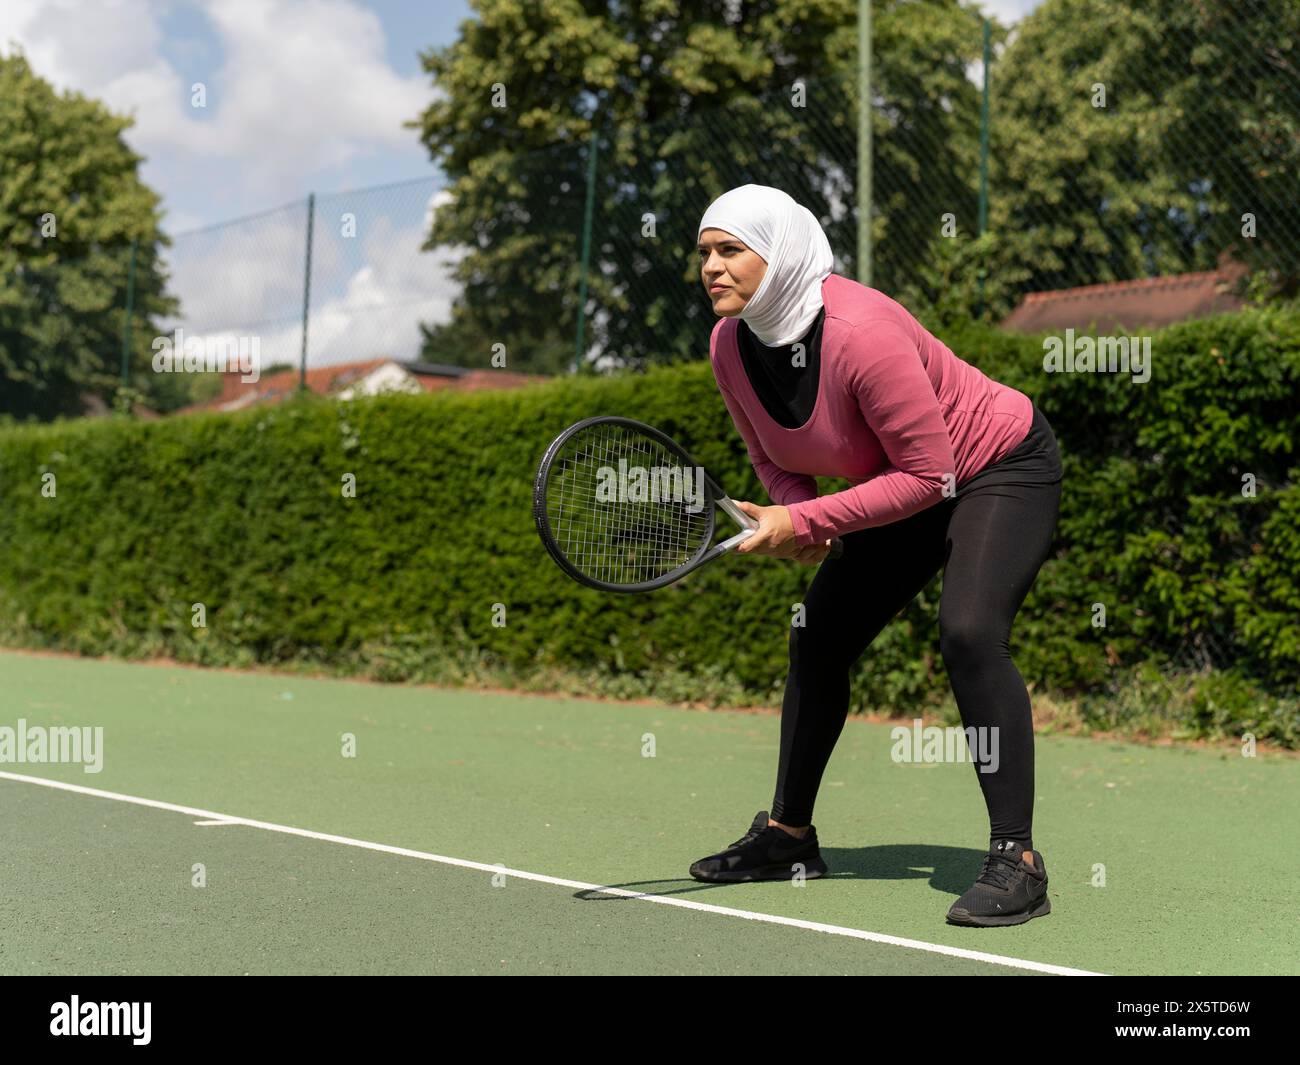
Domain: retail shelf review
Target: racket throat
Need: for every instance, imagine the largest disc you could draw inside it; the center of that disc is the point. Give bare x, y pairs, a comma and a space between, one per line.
732, 541
735, 514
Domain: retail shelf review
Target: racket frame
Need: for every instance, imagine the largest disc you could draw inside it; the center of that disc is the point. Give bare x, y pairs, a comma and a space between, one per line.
705, 554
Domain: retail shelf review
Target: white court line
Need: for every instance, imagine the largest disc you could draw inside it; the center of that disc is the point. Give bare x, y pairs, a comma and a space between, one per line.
519, 874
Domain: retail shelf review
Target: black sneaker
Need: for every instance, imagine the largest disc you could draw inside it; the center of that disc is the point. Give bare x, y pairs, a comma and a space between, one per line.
765, 852
1007, 891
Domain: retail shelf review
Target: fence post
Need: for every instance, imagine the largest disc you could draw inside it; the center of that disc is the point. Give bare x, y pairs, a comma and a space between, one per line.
984, 161
586, 244
130, 309
306, 291
864, 142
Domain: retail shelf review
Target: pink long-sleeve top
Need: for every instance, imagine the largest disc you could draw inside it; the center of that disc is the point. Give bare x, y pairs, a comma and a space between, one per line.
897, 414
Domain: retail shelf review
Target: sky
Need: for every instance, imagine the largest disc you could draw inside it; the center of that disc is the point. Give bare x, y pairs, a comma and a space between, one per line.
280, 119
301, 96
1007, 11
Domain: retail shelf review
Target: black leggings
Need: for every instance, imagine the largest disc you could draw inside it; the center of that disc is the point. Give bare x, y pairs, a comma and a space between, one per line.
990, 541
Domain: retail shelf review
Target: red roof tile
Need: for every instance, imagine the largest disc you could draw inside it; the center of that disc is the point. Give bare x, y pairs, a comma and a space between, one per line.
325, 380
1123, 306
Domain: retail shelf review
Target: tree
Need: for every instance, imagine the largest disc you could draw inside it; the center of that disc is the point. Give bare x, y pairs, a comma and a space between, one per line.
1199, 126
71, 203
687, 99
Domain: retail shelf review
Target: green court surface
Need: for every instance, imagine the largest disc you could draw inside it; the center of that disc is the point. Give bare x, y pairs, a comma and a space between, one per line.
387, 862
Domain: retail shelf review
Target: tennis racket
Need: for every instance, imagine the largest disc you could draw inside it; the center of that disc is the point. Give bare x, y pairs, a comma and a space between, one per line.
623, 508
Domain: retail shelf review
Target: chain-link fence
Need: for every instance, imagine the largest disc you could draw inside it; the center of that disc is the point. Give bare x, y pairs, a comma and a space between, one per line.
1148, 146
1149, 142
336, 278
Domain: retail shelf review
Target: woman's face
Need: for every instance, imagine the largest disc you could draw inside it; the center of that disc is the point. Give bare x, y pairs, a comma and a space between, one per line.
730, 264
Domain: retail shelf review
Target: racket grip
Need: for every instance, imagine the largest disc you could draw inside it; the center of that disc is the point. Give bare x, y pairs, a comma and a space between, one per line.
837, 548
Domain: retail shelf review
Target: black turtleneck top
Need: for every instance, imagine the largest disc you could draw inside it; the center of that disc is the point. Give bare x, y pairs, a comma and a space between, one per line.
788, 391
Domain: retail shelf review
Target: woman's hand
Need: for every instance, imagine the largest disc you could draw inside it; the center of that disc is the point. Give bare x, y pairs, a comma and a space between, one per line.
813, 554
775, 536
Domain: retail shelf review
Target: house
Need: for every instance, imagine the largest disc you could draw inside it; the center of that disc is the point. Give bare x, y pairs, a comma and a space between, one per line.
1122, 307
368, 378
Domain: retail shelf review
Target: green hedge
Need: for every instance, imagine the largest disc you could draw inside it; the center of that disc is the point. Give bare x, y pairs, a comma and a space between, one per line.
244, 513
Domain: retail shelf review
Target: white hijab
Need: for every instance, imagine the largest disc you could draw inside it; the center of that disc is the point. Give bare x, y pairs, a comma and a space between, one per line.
798, 255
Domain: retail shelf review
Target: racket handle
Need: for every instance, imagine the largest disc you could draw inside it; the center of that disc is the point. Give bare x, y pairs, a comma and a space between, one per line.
837, 548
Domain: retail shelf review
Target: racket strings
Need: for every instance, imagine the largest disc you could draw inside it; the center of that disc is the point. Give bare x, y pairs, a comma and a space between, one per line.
606, 534
622, 541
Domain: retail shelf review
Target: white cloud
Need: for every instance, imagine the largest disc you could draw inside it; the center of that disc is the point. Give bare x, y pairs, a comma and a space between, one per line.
380, 305
304, 84
1007, 11
83, 45
299, 86
368, 298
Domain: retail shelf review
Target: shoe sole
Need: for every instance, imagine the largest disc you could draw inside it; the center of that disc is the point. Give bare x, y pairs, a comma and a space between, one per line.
813, 870
963, 917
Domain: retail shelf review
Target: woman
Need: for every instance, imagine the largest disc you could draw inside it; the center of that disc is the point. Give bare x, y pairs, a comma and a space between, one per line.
949, 469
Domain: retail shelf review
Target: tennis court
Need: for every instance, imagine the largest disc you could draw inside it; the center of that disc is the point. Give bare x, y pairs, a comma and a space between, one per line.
476, 832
